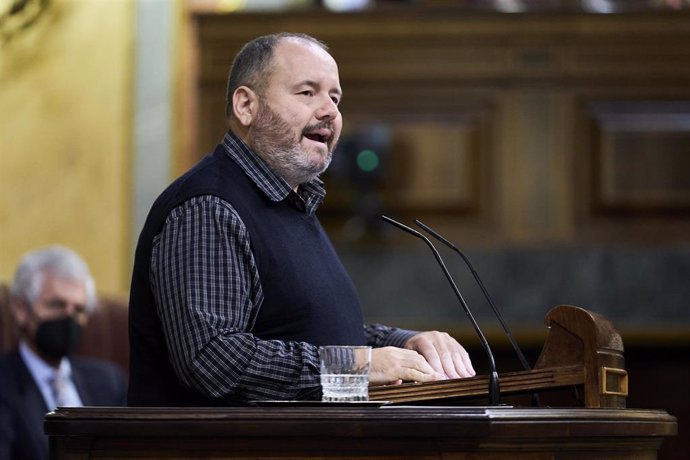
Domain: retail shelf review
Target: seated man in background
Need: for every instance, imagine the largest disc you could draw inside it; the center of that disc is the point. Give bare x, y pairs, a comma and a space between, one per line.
52, 296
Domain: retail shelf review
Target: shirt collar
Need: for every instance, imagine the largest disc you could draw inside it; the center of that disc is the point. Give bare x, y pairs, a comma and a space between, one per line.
309, 195
39, 369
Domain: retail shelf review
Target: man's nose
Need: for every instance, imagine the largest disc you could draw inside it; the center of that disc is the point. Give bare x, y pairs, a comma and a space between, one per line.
70, 309
327, 110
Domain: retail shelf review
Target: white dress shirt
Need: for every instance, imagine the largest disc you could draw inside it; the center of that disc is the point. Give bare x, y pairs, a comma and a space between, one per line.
44, 374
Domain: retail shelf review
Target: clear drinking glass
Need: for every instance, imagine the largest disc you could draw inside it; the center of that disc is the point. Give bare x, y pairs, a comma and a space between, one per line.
345, 372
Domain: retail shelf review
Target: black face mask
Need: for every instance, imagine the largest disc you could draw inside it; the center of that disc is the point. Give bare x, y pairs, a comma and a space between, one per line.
58, 337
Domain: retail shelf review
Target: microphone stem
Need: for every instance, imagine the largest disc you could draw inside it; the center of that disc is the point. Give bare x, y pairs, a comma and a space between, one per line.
497, 313
494, 388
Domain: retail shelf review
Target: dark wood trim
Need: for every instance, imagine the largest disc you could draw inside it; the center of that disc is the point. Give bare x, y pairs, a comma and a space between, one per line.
376, 432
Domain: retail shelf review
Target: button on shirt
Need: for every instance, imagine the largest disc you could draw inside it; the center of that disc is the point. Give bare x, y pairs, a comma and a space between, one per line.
215, 290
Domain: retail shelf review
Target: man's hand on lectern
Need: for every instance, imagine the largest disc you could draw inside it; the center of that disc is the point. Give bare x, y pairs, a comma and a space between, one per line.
392, 365
445, 355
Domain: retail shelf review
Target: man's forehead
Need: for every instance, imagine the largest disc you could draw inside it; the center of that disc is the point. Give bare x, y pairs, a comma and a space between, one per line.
289, 49
299, 42
297, 60
52, 281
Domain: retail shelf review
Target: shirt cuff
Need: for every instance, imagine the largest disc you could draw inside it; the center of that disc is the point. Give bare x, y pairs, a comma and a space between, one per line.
398, 337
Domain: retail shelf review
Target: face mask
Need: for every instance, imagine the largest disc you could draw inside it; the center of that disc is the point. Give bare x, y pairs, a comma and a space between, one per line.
58, 337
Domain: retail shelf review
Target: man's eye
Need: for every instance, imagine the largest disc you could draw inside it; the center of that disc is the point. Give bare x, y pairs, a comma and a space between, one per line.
56, 304
335, 100
307, 93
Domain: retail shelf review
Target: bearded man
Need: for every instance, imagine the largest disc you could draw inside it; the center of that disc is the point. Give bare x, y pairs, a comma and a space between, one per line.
235, 283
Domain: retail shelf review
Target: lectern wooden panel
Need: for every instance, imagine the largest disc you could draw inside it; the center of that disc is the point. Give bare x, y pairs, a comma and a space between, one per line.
386, 432
582, 349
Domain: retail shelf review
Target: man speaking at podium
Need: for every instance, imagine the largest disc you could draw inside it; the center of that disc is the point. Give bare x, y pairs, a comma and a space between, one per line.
235, 283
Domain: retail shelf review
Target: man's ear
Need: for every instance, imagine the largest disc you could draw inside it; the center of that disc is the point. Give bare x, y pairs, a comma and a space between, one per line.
245, 104
20, 311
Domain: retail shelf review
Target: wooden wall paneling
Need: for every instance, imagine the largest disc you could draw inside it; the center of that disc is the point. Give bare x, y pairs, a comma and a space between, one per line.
511, 93
212, 124
563, 177
438, 149
426, 166
534, 171
633, 166
641, 156
537, 169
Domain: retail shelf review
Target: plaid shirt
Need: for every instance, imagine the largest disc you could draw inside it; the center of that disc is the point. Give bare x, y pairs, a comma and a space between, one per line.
208, 293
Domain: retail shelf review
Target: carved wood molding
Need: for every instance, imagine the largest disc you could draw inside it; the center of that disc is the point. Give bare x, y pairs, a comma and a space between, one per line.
423, 45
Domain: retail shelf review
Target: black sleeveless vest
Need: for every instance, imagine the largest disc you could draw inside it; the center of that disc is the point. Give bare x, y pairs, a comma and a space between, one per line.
308, 296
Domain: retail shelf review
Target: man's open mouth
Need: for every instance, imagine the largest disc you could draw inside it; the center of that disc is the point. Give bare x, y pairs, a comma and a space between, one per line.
316, 137
322, 136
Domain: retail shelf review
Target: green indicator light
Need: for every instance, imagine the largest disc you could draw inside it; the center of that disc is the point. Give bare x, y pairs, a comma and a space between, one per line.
367, 160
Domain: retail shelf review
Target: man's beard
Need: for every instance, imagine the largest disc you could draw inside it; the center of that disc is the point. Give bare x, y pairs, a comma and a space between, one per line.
273, 140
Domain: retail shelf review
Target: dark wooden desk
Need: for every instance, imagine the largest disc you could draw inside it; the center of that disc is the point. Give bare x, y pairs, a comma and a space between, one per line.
361, 432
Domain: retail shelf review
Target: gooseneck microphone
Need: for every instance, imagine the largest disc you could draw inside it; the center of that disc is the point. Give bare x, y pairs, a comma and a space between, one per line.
494, 389
497, 313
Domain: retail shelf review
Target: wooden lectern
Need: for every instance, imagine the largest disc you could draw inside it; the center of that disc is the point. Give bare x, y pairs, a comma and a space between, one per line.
582, 349
385, 432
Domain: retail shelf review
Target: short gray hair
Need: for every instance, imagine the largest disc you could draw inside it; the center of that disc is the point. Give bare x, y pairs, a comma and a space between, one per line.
252, 64
57, 260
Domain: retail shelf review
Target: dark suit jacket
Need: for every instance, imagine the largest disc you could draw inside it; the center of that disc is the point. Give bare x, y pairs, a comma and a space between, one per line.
22, 407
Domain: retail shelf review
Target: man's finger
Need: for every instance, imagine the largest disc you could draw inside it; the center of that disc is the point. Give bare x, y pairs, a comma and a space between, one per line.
464, 364
432, 357
451, 367
415, 375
